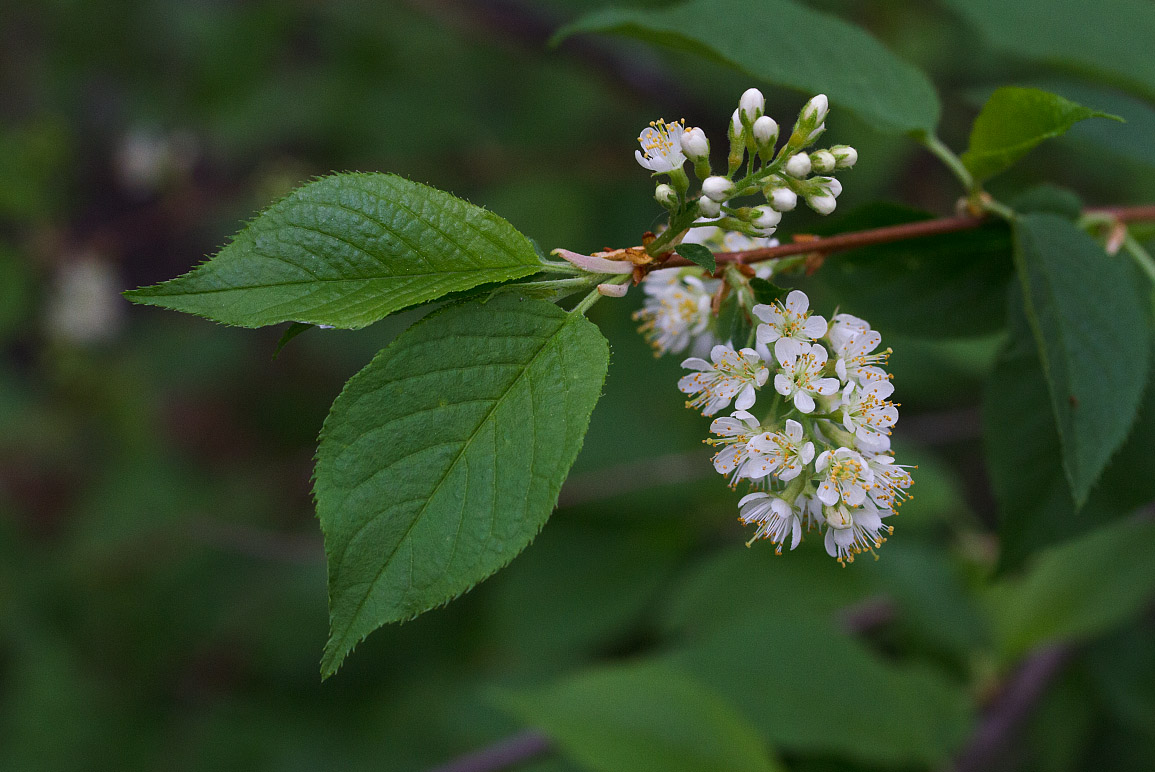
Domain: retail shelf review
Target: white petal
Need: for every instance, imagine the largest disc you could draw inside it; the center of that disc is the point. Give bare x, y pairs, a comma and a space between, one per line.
690, 384
697, 363
822, 462
840, 369
793, 430
724, 461
807, 453
826, 386
783, 385
767, 334
797, 302
804, 402
727, 427
745, 398
831, 549
720, 351
827, 493
761, 376
787, 348
815, 327
797, 533
751, 497
854, 495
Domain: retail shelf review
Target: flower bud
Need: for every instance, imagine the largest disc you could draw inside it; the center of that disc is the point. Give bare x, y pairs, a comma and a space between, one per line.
765, 131
709, 207
752, 104
844, 156
695, 145
823, 203
735, 125
763, 217
798, 165
718, 188
814, 113
821, 161
782, 199
666, 196
833, 186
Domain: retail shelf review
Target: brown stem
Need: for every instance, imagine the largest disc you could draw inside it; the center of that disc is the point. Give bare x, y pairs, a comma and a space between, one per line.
847, 241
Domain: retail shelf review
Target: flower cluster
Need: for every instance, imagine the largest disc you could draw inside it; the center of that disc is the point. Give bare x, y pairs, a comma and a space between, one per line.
781, 175
817, 454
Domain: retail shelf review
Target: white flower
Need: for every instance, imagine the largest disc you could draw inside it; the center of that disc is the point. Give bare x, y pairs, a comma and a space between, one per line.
890, 482
827, 185
752, 104
695, 145
783, 199
868, 415
718, 188
853, 342
776, 519
733, 241
733, 375
843, 327
662, 144
850, 531
798, 165
676, 311
734, 433
782, 453
801, 376
788, 325
848, 477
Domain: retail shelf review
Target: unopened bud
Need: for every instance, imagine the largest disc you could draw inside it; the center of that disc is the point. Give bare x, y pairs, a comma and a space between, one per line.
798, 165
782, 199
736, 127
821, 161
844, 156
765, 131
764, 217
814, 113
752, 104
823, 203
709, 207
613, 290
666, 196
718, 188
695, 145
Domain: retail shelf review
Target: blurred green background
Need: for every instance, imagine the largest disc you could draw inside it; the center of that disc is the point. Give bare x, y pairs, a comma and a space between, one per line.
162, 579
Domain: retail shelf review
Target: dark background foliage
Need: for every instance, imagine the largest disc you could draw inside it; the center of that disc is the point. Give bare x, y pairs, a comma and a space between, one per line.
162, 580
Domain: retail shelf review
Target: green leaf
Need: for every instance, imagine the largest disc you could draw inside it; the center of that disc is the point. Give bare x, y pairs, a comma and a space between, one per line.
949, 285
442, 459
1015, 120
1048, 198
1091, 328
292, 331
790, 45
811, 689
1024, 456
699, 255
346, 251
1110, 39
643, 718
767, 291
1079, 589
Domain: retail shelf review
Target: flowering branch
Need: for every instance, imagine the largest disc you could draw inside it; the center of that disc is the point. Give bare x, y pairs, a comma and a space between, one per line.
846, 241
